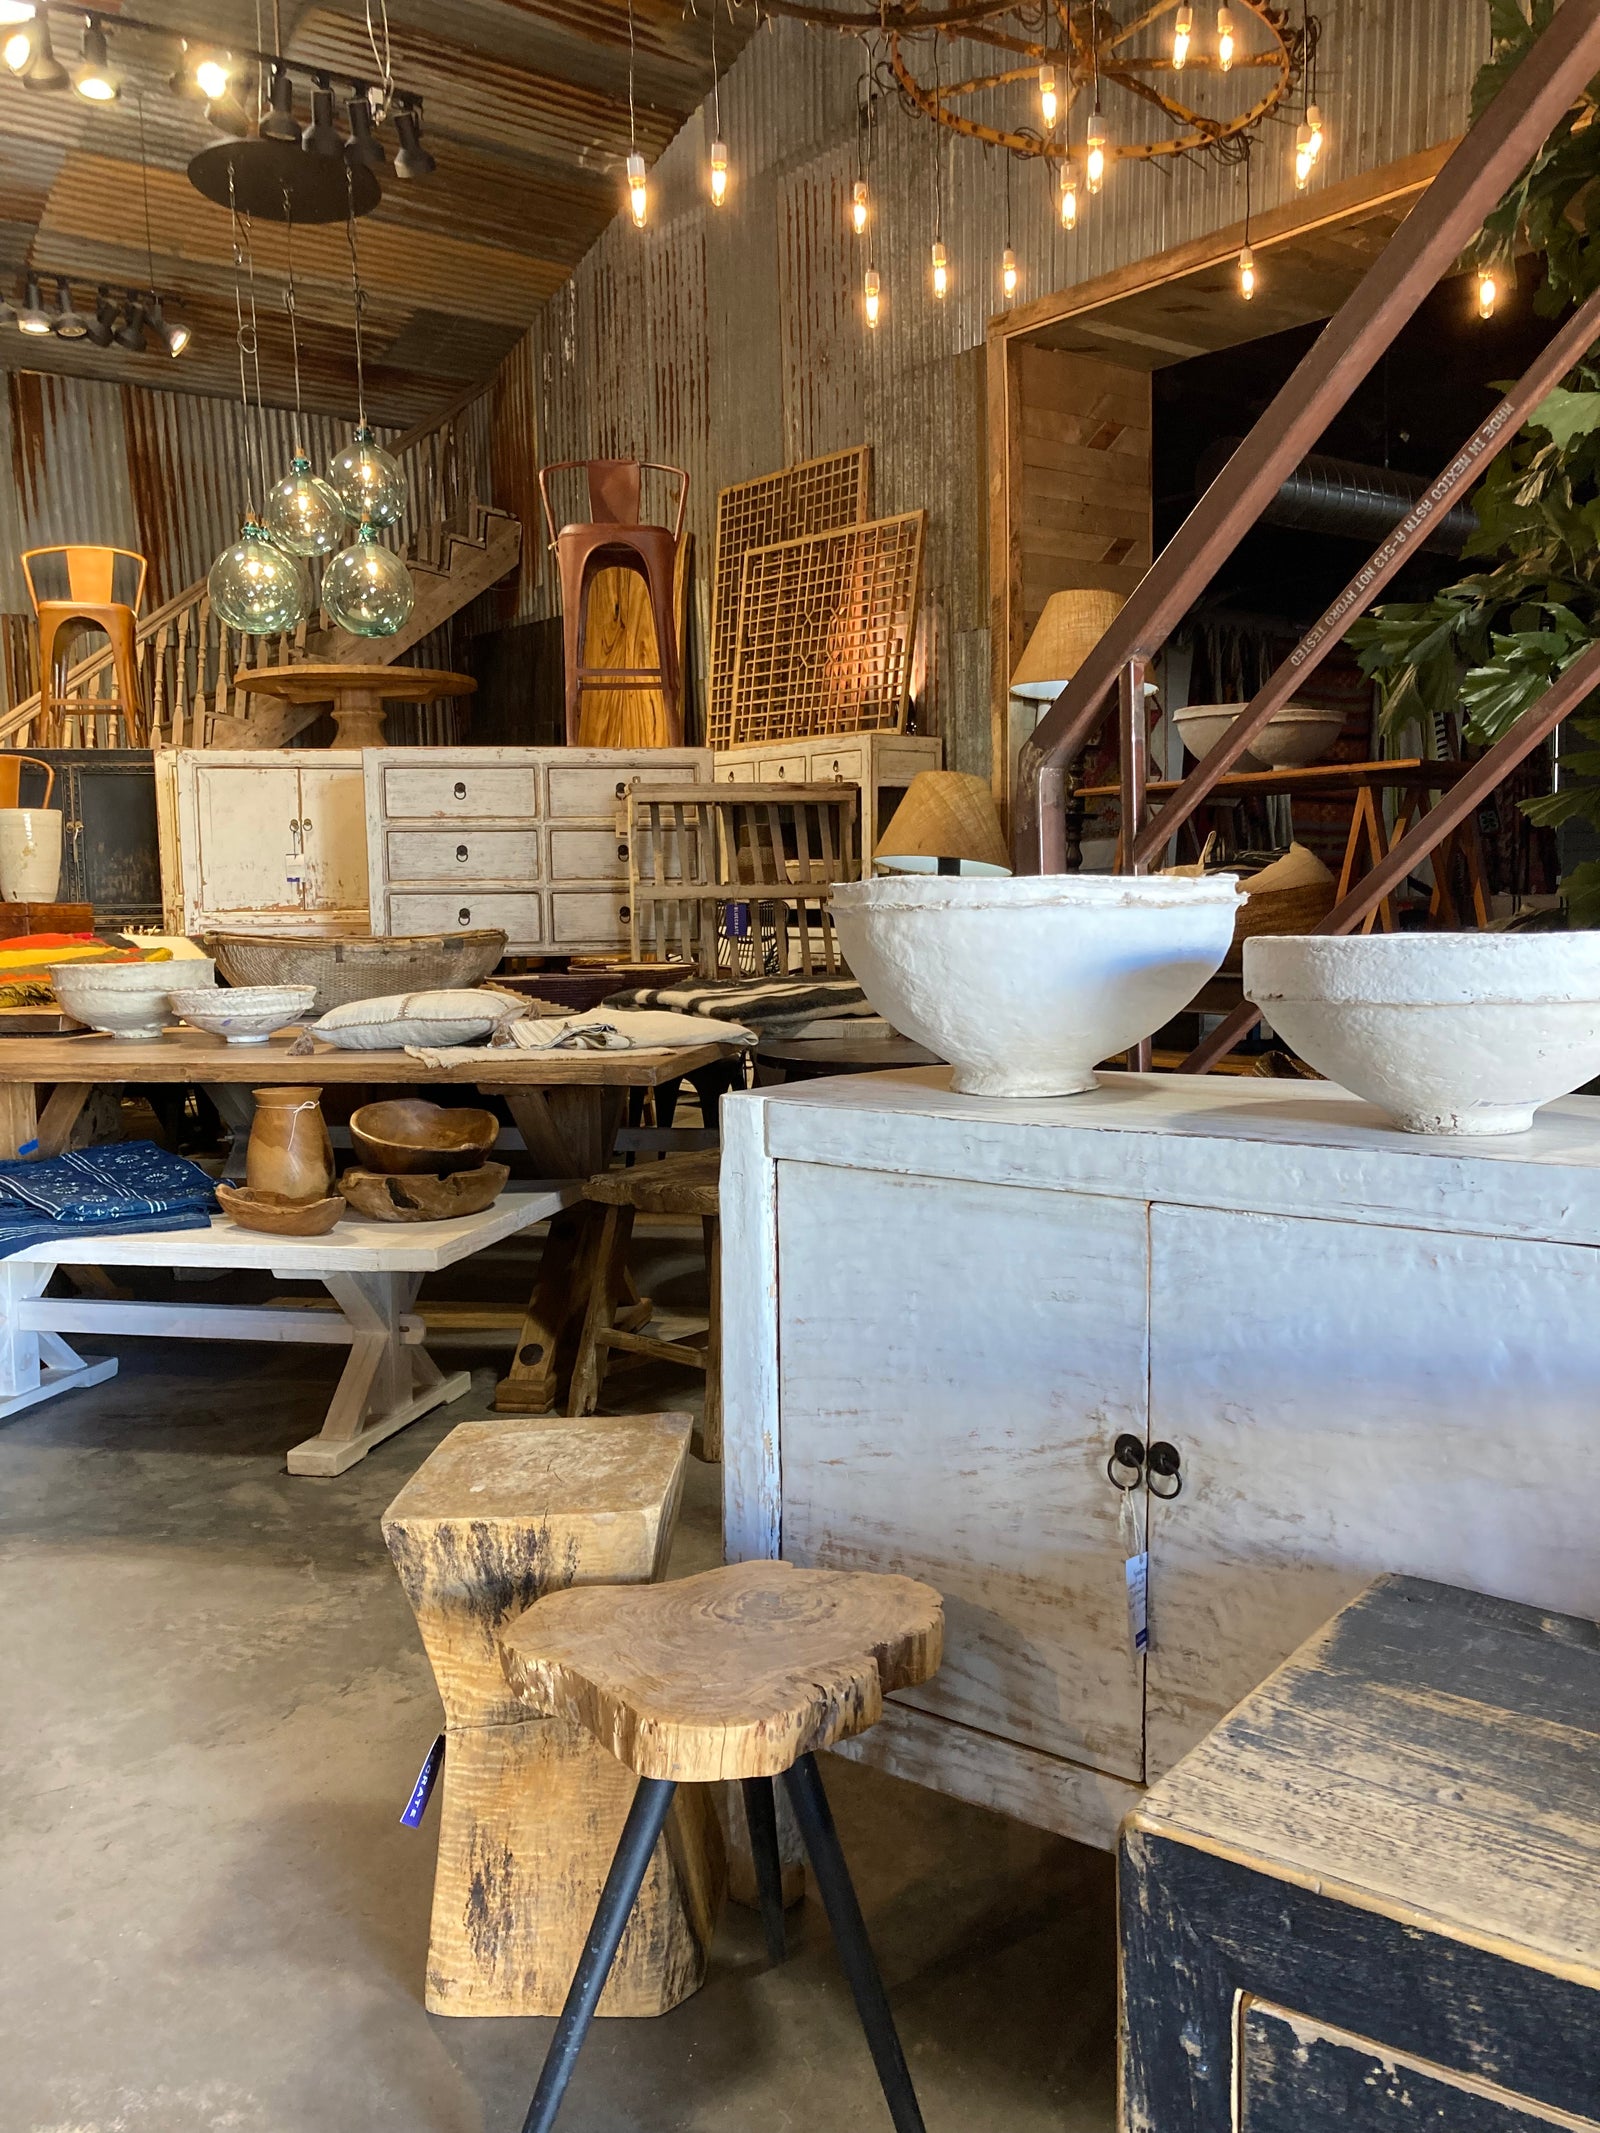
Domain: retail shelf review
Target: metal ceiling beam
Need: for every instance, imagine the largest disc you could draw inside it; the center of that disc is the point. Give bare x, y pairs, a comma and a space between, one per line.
1425, 247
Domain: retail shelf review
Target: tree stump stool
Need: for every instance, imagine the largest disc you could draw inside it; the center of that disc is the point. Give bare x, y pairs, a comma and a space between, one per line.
677, 1185
500, 1514
744, 1673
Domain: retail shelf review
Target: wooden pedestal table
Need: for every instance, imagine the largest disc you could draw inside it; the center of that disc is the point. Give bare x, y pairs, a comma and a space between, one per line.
356, 695
372, 1270
567, 1107
501, 1514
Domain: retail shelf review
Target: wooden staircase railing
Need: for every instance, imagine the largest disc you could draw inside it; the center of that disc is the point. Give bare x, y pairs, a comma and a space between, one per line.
189, 661
1426, 247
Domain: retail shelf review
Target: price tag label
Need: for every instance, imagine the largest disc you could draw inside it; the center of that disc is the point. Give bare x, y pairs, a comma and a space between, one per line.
1135, 1572
422, 1790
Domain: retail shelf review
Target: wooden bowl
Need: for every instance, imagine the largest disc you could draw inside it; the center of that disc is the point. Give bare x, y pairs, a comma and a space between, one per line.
407, 1135
383, 1197
277, 1214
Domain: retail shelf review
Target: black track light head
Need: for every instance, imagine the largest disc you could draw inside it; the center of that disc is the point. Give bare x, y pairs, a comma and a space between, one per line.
130, 334
321, 137
99, 329
32, 317
413, 160
363, 145
69, 323
280, 123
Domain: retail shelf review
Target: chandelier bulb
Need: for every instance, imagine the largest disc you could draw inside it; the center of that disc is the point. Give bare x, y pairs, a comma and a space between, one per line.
1069, 195
1225, 44
1303, 157
1318, 136
858, 206
1095, 162
1182, 35
719, 172
870, 295
1247, 273
1049, 104
941, 269
1008, 273
1488, 294
638, 190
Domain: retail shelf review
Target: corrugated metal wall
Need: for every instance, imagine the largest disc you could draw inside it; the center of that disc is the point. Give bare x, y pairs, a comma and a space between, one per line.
731, 341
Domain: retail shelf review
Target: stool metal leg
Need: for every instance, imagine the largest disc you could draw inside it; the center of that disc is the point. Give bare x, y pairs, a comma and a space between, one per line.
646, 1818
761, 1813
810, 1803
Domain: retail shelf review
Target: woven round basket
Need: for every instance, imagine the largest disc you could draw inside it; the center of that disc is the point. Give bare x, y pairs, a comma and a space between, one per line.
359, 966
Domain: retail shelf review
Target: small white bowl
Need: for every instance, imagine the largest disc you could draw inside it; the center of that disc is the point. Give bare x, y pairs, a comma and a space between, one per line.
1294, 736
1446, 1032
124, 999
244, 1014
1023, 984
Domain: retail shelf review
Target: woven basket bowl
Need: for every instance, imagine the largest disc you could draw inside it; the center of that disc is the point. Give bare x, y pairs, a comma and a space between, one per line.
359, 966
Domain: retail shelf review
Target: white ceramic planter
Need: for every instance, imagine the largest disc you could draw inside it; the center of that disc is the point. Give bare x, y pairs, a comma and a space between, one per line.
1024, 984
30, 854
1447, 1032
1294, 736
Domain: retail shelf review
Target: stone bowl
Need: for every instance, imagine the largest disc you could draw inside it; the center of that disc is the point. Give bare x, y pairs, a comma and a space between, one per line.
407, 1134
1463, 1033
124, 999
1294, 736
1025, 983
243, 1014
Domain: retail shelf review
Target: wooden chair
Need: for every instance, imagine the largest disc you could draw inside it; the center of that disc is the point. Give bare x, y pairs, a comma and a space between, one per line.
90, 575
612, 538
743, 1672
11, 777
738, 878
684, 1184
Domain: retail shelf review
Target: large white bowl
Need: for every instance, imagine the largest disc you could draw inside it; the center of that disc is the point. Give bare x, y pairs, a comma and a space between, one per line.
1024, 984
1447, 1032
1294, 736
244, 1014
126, 999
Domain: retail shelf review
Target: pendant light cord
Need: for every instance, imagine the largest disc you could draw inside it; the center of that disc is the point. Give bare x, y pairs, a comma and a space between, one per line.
358, 298
292, 308
144, 178
716, 78
244, 338
633, 139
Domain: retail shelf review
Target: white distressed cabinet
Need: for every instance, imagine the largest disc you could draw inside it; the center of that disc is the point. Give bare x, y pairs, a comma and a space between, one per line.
529, 839
262, 837
1367, 1351
879, 765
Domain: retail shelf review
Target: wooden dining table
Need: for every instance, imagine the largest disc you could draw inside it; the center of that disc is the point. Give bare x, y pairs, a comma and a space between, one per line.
567, 1106
355, 694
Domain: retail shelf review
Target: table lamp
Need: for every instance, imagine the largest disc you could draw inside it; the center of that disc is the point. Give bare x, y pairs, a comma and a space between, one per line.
946, 824
1066, 633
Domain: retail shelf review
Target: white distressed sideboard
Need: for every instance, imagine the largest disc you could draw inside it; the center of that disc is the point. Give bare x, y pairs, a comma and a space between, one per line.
529, 839
1367, 1351
263, 838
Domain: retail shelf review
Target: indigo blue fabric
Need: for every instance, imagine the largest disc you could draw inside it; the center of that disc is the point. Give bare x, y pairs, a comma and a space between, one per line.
128, 1185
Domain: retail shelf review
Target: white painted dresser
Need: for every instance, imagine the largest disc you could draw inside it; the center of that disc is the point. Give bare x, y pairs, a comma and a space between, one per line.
1368, 1352
530, 839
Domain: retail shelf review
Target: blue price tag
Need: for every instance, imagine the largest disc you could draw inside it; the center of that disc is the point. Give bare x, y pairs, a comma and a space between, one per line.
427, 1777
736, 922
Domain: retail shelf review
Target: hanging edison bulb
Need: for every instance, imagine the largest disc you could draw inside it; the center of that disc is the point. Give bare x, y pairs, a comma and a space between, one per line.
870, 295
1182, 37
1049, 102
1247, 273
1318, 131
1095, 161
941, 268
1069, 194
304, 513
1303, 158
1225, 39
1008, 273
858, 206
719, 172
368, 482
1488, 294
367, 589
258, 587
638, 191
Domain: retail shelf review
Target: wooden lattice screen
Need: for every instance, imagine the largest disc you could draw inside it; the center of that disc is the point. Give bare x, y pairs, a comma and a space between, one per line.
826, 625
814, 497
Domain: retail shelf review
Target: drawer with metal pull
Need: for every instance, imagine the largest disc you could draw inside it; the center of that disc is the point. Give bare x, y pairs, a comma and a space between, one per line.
498, 855
436, 911
461, 790
589, 918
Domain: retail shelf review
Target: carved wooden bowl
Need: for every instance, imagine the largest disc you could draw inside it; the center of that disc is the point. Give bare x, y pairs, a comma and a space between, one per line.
407, 1134
277, 1214
384, 1197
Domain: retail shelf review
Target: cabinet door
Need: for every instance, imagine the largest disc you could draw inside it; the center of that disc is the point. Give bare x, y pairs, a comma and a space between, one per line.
244, 820
333, 823
111, 851
1348, 1400
956, 1361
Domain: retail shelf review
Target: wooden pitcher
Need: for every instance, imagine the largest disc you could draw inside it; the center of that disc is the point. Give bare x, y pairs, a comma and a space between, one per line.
289, 1148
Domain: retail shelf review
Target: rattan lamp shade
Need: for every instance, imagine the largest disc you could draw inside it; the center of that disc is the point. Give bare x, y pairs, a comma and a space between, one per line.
1066, 633
946, 824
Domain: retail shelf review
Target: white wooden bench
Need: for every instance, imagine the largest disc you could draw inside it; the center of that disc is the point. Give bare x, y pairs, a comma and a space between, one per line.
372, 1270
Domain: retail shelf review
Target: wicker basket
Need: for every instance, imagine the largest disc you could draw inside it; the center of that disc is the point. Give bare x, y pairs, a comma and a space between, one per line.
359, 966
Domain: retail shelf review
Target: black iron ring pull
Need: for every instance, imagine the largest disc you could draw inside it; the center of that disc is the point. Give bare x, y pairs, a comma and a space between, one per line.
1129, 1452
1166, 1464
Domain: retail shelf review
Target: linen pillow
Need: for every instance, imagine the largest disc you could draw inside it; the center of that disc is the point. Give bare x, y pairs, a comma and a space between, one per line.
401, 1018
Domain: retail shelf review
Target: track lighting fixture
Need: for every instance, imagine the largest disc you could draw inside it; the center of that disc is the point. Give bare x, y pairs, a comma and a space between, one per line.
130, 334
280, 123
94, 77
32, 317
212, 75
413, 160
18, 50
69, 324
100, 328
29, 52
173, 336
363, 146
321, 137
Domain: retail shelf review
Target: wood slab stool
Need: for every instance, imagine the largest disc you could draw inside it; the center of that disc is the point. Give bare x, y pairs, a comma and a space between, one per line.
501, 1513
684, 1184
744, 1673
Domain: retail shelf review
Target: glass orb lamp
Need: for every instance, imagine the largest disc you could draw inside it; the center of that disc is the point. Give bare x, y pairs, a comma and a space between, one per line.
257, 587
368, 482
367, 589
304, 513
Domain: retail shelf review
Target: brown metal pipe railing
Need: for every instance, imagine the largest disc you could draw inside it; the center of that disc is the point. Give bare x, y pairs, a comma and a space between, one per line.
1447, 813
1566, 348
1424, 248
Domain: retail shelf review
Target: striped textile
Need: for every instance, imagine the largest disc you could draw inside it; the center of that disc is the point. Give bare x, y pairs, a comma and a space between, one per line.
772, 1007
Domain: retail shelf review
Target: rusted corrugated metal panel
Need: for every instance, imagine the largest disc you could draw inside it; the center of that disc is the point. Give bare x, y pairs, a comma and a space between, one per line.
765, 307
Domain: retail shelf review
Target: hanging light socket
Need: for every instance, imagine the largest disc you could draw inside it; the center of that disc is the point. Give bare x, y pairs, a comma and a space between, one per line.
279, 123
69, 324
363, 146
322, 137
94, 77
412, 159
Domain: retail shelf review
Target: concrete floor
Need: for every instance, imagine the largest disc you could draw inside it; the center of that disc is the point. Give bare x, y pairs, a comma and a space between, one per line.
215, 1704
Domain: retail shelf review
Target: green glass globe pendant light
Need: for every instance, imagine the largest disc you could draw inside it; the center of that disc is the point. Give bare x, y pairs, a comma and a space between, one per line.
367, 588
